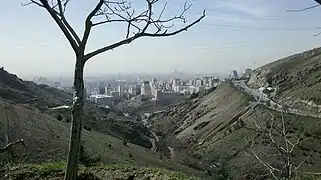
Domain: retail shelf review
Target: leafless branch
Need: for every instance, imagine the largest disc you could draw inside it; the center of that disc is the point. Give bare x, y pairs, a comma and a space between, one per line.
88, 24
121, 11
58, 16
304, 9
306, 158
9, 147
317, 34
117, 11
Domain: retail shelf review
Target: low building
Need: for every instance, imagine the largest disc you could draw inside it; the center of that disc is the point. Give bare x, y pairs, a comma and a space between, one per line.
102, 99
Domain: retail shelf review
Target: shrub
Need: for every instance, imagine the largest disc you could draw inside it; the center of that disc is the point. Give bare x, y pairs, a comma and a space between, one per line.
59, 117
125, 142
87, 128
85, 158
68, 119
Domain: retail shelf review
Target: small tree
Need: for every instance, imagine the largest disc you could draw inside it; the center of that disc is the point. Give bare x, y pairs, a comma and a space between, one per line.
280, 159
10, 145
139, 24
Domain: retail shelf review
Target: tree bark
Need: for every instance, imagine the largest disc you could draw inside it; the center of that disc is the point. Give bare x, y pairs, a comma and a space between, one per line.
76, 115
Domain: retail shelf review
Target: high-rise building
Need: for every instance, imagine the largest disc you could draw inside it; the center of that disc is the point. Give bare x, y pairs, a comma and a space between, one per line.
120, 90
199, 82
176, 82
146, 89
154, 81
108, 88
138, 89
133, 91
206, 80
192, 82
101, 90
95, 91
213, 81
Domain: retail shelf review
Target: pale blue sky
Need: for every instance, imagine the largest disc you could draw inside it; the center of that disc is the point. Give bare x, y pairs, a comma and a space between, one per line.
235, 34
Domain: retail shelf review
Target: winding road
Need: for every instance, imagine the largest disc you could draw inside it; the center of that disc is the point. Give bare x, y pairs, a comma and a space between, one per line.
274, 105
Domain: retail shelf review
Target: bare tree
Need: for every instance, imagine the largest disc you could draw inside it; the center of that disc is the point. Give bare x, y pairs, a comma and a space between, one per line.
279, 160
139, 24
6, 108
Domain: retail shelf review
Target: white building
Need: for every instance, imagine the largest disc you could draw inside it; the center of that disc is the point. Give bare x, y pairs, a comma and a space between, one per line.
108, 88
199, 82
146, 89
157, 94
132, 91
206, 80
102, 99
214, 81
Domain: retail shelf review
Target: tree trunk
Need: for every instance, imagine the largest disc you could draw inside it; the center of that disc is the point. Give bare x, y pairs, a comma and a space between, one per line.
77, 114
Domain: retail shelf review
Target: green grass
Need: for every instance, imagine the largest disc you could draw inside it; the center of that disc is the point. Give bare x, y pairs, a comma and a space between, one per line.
55, 171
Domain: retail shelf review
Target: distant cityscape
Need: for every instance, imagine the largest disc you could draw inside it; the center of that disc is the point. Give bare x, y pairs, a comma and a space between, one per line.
154, 89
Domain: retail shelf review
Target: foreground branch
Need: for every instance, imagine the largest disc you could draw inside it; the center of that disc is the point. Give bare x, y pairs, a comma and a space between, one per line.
304, 9
9, 147
142, 34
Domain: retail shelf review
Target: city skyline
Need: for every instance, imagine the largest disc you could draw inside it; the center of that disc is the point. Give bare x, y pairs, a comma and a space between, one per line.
234, 35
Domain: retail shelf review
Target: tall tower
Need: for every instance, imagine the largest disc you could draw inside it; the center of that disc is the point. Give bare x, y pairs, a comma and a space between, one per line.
120, 90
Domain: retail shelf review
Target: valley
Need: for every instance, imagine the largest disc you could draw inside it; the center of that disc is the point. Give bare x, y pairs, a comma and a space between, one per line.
224, 131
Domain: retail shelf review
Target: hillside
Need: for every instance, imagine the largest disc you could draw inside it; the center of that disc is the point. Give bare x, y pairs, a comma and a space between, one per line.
25, 105
297, 78
42, 97
46, 140
15, 89
215, 130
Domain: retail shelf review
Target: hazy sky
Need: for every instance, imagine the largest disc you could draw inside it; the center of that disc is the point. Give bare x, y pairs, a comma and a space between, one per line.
235, 34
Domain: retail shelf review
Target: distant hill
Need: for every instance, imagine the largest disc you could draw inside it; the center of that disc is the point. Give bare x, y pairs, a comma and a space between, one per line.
15, 89
298, 78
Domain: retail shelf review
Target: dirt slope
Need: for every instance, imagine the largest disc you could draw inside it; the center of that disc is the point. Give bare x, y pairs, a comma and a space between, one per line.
215, 130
